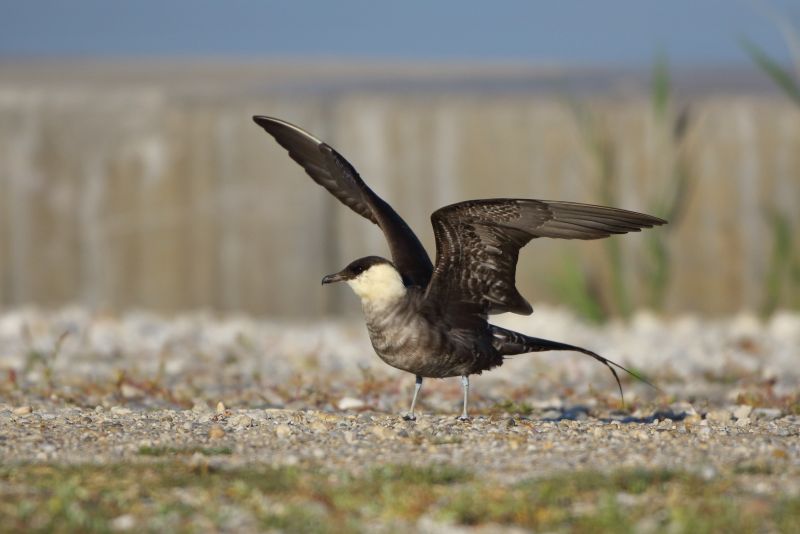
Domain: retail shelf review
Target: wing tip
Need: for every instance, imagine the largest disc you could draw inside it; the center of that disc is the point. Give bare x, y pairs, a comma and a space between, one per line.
262, 120
275, 127
520, 306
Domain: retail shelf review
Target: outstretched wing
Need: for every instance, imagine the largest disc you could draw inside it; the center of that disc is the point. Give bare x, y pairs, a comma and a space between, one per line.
330, 170
478, 242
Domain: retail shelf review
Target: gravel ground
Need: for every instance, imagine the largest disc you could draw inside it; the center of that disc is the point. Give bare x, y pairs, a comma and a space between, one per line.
232, 392
507, 448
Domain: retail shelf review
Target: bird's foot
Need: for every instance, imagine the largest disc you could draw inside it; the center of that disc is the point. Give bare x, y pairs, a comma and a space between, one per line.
463, 418
409, 417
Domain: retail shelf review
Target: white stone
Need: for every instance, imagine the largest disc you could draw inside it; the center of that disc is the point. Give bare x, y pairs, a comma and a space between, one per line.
350, 403
742, 411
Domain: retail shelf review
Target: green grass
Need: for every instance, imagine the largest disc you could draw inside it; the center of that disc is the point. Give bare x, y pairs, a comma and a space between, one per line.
175, 496
514, 408
187, 451
671, 177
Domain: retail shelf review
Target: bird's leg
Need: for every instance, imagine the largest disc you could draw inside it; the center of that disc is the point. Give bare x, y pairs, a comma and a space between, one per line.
465, 385
417, 386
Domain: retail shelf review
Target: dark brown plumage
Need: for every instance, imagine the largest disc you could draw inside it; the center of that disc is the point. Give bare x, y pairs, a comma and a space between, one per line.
432, 321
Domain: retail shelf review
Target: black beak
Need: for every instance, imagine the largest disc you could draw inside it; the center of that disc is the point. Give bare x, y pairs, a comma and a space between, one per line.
335, 277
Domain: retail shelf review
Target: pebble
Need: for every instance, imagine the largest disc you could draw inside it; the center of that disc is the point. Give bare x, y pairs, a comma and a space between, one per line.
684, 408
719, 416
744, 421
742, 411
423, 423
692, 419
381, 431
319, 427
350, 403
22, 410
766, 414
130, 392
283, 431
242, 420
123, 522
216, 432
220, 407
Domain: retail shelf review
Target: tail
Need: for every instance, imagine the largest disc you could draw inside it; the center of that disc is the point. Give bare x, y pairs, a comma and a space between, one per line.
508, 342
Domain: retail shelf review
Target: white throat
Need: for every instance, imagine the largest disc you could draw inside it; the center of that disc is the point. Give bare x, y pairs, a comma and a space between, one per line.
379, 286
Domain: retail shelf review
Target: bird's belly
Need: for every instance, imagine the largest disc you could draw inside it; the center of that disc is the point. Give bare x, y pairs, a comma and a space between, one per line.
417, 348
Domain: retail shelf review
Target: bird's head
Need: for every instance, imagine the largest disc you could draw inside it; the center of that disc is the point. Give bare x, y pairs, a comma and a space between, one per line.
374, 279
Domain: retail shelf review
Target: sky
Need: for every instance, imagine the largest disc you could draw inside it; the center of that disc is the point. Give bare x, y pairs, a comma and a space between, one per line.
611, 32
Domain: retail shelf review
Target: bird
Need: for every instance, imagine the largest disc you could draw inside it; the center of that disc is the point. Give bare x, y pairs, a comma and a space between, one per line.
432, 319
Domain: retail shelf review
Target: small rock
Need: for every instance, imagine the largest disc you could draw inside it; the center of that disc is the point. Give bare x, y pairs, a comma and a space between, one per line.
692, 419
708, 472
243, 421
22, 410
381, 431
216, 432
283, 431
198, 462
423, 423
685, 408
766, 414
220, 407
779, 453
719, 416
130, 392
742, 411
744, 421
120, 410
350, 403
319, 427
329, 418
123, 522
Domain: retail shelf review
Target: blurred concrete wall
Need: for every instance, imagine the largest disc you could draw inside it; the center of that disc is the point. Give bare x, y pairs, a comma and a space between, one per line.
158, 191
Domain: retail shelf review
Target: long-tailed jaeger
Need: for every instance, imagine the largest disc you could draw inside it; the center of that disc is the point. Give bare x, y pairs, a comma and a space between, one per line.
431, 320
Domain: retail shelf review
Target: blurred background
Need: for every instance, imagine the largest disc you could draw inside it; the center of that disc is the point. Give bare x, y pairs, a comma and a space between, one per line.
132, 176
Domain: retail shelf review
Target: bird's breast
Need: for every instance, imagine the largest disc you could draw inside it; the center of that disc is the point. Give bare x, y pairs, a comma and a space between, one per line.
406, 339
